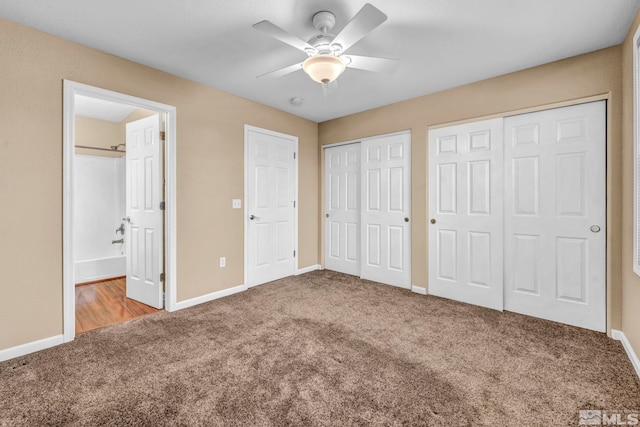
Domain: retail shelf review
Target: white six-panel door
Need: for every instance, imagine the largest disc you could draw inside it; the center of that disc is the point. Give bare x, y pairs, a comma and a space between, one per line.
342, 209
270, 205
465, 213
555, 223
144, 235
386, 209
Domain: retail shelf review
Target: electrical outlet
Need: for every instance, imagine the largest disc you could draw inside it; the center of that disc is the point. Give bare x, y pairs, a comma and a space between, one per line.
223, 261
236, 203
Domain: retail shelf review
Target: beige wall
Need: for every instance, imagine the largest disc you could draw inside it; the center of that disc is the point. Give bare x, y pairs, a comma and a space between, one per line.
592, 75
92, 132
630, 281
210, 139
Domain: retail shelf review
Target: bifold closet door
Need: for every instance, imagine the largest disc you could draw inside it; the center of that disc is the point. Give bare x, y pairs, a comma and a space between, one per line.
466, 213
386, 209
555, 223
342, 209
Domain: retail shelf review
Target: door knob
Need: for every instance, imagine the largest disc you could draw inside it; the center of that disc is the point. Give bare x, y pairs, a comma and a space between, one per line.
252, 217
433, 221
595, 228
127, 219
326, 215
406, 219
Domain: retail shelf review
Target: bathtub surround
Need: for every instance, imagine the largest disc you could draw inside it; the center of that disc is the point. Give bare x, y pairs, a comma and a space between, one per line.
98, 212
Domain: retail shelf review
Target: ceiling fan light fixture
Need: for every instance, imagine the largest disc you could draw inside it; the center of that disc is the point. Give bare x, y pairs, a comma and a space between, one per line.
323, 68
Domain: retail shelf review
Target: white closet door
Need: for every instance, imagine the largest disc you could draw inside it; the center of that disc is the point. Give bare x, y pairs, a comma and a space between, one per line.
342, 209
386, 209
465, 212
555, 224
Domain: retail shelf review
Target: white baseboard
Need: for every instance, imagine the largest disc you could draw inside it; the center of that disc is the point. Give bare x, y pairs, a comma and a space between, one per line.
308, 269
30, 347
209, 297
418, 290
620, 336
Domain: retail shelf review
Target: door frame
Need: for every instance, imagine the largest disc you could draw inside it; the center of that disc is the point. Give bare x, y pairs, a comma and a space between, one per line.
294, 140
71, 89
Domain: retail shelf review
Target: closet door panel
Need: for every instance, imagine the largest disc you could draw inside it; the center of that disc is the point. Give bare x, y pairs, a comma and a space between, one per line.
555, 227
465, 213
386, 214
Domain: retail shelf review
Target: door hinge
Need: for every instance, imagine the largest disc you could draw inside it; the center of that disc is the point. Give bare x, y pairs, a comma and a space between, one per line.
162, 277
294, 203
161, 135
294, 253
162, 206
294, 155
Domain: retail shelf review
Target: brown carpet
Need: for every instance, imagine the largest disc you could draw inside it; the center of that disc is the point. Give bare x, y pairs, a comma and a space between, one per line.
322, 349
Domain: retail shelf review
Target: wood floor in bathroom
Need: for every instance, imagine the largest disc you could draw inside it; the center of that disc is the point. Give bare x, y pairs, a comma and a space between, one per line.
105, 303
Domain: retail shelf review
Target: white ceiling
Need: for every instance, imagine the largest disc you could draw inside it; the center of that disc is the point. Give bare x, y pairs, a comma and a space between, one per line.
102, 110
440, 43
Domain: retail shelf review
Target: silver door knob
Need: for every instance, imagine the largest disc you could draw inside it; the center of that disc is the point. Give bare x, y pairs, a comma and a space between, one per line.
595, 228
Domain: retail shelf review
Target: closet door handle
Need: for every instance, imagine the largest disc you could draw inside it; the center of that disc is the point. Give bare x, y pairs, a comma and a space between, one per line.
127, 219
433, 221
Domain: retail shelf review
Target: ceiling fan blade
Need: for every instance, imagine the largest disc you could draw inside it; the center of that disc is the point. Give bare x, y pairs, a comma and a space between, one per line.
278, 33
370, 63
282, 71
365, 21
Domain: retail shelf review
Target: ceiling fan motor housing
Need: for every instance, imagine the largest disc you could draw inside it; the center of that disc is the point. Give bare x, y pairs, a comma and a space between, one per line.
323, 44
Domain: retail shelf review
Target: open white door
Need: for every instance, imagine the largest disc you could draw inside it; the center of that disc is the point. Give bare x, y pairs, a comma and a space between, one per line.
342, 209
386, 209
270, 201
144, 236
555, 215
465, 213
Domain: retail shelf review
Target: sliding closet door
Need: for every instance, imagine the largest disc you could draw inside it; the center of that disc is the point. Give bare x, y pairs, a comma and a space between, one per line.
555, 224
386, 209
465, 213
342, 209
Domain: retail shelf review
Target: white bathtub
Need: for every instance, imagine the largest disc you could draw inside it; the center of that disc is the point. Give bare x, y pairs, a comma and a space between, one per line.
101, 268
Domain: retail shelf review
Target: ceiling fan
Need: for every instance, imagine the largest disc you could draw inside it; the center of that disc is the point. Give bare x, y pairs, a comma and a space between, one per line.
326, 59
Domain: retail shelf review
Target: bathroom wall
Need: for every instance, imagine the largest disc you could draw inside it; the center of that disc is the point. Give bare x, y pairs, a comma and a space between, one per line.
99, 203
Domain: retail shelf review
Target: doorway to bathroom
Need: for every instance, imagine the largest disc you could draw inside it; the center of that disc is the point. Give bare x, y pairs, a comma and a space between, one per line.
105, 193
119, 170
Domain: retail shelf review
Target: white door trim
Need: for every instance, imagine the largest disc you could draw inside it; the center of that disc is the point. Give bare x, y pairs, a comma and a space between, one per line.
71, 89
359, 140
294, 140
